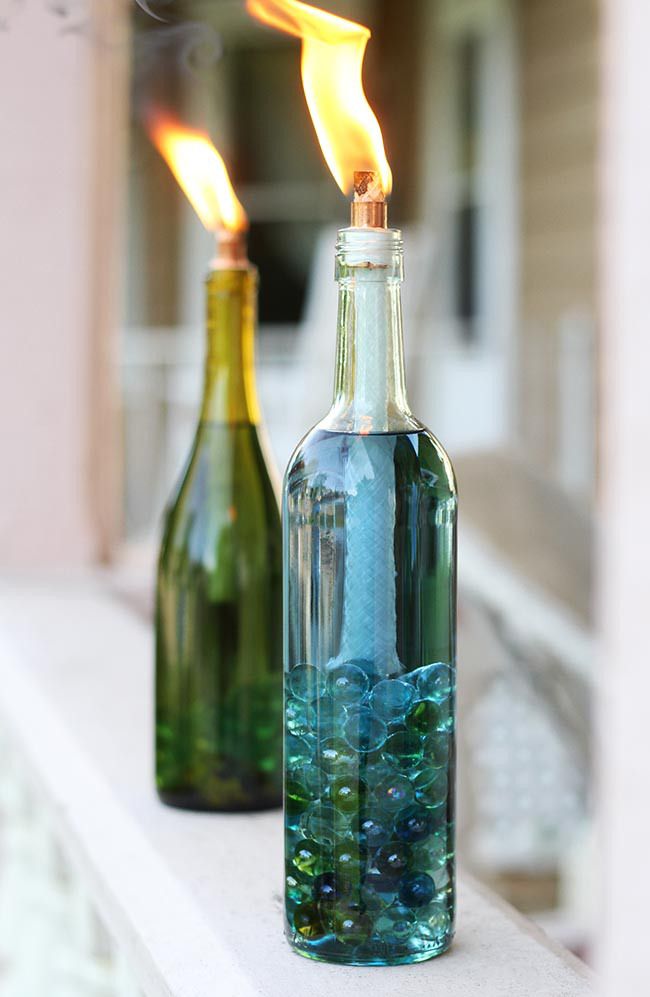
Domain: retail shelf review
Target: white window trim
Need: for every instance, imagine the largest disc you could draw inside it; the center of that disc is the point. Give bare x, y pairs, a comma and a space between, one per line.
488, 363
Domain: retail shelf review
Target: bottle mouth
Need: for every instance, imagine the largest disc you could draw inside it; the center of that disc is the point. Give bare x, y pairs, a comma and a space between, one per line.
371, 249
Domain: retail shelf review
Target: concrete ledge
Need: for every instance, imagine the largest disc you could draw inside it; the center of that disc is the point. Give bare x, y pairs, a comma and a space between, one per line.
193, 900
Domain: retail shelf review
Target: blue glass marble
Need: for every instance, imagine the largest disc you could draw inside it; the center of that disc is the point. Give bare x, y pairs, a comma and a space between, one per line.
404, 750
393, 791
447, 718
326, 888
431, 787
331, 715
416, 889
365, 665
312, 777
436, 749
415, 823
306, 682
444, 879
297, 752
374, 831
377, 891
434, 923
300, 717
348, 684
391, 699
432, 853
395, 922
435, 682
323, 823
365, 731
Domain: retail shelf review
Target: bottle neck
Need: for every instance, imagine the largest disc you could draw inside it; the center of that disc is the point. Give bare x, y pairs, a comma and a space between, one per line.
369, 389
229, 392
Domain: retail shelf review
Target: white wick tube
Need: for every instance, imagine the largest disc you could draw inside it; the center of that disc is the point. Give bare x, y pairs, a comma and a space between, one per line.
369, 608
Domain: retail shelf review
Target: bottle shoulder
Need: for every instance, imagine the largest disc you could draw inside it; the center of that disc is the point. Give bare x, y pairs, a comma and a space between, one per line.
437, 456
324, 458
224, 488
225, 458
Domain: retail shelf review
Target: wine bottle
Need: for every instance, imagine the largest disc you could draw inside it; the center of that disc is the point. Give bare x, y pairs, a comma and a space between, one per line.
218, 607
369, 508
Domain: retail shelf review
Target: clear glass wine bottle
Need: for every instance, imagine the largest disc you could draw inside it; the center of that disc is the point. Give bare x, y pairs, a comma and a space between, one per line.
369, 510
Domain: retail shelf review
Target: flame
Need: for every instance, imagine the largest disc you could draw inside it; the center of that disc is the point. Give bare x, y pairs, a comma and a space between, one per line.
201, 173
332, 61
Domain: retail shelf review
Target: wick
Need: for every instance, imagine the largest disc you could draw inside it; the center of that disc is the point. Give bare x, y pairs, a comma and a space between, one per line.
368, 209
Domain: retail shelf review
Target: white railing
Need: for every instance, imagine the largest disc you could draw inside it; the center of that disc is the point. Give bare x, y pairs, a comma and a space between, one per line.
52, 938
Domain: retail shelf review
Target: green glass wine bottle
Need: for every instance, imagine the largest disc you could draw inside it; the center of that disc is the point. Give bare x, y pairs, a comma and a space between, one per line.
218, 606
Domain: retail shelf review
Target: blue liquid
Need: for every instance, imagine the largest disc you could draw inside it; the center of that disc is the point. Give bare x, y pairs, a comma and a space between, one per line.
370, 660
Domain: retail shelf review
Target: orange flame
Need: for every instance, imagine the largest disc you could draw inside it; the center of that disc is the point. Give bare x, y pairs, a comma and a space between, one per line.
201, 173
332, 61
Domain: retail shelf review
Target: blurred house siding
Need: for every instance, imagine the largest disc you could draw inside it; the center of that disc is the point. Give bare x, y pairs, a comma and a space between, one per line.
559, 93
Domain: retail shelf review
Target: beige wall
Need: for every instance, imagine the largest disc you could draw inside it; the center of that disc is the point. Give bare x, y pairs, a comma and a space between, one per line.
58, 95
559, 97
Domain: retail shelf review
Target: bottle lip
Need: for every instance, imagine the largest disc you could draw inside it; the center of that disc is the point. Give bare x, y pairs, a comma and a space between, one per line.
245, 269
375, 238
370, 247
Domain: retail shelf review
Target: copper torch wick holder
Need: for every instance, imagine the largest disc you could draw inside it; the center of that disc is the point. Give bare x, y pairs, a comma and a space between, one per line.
369, 208
231, 252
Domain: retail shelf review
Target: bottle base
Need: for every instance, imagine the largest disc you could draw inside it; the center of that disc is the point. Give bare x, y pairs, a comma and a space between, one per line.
369, 956
195, 801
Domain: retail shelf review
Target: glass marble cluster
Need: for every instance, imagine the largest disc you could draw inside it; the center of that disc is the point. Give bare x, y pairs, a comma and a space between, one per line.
369, 812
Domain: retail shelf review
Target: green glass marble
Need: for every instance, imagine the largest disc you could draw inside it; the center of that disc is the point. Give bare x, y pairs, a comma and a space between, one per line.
351, 924
349, 860
308, 857
404, 750
395, 922
423, 717
337, 758
298, 796
307, 921
347, 795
